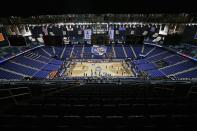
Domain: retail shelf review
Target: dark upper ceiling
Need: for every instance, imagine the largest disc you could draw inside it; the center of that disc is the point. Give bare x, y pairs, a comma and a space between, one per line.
58, 7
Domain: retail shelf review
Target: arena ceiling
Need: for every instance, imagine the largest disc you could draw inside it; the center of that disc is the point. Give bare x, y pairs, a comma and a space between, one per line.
48, 7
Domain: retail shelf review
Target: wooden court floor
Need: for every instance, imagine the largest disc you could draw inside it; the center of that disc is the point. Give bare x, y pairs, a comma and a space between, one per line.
80, 69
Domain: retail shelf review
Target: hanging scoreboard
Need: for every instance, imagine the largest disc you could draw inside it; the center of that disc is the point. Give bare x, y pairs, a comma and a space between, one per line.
100, 39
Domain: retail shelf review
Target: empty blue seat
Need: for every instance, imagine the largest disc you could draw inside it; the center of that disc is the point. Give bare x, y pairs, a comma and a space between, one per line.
87, 52
159, 57
29, 62
119, 52
137, 49
189, 74
41, 74
77, 51
155, 51
128, 51
8, 75
179, 67
155, 73
67, 52
49, 49
56, 62
141, 61
147, 66
147, 48
51, 67
43, 59
18, 68
41, 52
174, 59
58, 51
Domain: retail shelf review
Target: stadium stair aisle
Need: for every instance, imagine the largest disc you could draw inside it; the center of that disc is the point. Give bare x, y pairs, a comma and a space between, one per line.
120, 54
18, 68
36, 59
146, 54
179, 67
133, 51
26, 66
28, 62
180, 62
155, 51
8, 74
137, 49
53, 48
188, 74
184, 71
142, 51
114, 52
71, 53
156, 55
82, 51
58, 51
67, 52
167, 57
159, 57
62, 54
128, 51
46, 52
125, 54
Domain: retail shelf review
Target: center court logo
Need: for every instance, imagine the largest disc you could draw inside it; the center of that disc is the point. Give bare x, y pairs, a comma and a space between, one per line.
99, 50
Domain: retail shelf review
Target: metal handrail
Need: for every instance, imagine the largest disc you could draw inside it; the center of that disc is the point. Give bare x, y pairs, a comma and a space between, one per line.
15, 88
1, 98
11, 95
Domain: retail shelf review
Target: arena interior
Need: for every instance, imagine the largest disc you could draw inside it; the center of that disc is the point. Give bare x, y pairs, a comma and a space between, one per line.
132, 50
107, 71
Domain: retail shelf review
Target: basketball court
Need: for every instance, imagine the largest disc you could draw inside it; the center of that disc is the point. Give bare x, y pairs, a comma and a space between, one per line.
99, 69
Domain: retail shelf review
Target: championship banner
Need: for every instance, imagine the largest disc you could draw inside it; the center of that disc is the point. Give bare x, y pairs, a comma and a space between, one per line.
87, 34
111, 34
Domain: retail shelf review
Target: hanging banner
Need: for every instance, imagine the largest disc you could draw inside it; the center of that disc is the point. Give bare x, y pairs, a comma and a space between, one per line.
111, 34
87, 34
